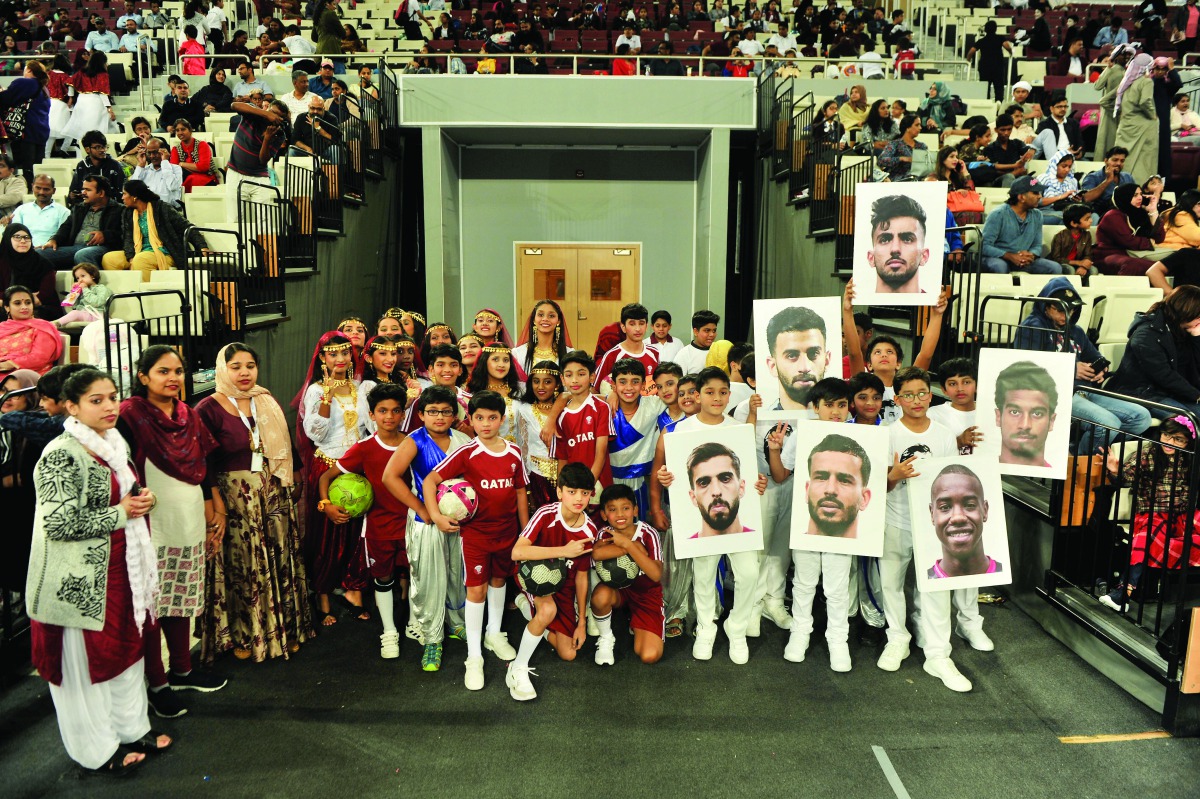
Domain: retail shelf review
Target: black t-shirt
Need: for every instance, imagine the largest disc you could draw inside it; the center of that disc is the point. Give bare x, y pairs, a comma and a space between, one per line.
1001, 155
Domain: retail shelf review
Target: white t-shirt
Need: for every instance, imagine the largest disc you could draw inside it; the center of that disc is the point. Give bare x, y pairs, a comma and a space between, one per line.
216, 19
784, 43
691, 359
751, 47
739, 393
694, 423
936, 442
298, 105
634, 42
298, 45
667, 350
954, 420
890, 411
870, 64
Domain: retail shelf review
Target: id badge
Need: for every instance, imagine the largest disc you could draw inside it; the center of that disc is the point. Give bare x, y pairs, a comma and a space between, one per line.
256, 462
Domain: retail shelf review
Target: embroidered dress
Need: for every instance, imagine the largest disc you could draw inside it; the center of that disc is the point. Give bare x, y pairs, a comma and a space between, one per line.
539, 459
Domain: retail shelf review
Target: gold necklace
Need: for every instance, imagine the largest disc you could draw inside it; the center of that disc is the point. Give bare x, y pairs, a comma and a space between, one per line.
349, 412
544, 354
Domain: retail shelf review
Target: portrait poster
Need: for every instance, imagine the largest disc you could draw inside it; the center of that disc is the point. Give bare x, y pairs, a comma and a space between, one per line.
899, 242
960, 538
715, 509
839, 491
1023, 410
797, 342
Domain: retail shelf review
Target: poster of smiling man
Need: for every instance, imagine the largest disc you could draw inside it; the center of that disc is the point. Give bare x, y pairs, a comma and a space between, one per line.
796, 343
715, 509
840, 487
899, 242
960, 539
1023, 409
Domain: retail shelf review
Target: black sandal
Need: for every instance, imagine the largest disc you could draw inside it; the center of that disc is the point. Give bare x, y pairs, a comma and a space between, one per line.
116, 766
148, 743
357, 612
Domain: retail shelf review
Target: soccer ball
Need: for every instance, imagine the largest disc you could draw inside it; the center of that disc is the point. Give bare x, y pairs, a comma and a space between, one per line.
456, 499
618, 572
542, 577
352, 493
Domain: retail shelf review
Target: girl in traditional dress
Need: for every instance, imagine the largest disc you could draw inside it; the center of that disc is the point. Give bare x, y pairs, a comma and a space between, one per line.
329, 422
93, 583
413, 324
469, 346
544, 337
491, 328
435, 334
493, 370
26, 342
170, 446
257, 601
389, 323
379, 364
541, 390
58, 87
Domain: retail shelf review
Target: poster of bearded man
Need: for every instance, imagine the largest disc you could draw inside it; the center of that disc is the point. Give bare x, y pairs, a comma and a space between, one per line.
899, 242
797, 342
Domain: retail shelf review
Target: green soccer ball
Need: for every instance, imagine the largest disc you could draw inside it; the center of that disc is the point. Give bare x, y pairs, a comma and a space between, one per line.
352, 493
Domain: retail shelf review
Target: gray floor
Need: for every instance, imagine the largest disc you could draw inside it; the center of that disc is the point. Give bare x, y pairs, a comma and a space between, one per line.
338, 721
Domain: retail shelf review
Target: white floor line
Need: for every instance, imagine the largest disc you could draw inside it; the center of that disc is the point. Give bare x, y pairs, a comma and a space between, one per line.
889, 771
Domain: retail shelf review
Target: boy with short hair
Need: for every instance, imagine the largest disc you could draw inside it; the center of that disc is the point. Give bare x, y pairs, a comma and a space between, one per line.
635, 425
432, 554
666, 383
625, 534
739, 388
691, 358
444, 368
495, 469
633, 324
913, 437
830, 398
689, 399
44, 425
678, 392
383, 529
585, 426
866, 396
714, 399
559, 530
1073, 246
668, 345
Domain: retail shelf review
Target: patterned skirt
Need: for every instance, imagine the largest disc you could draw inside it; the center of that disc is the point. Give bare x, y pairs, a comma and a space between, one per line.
257, 588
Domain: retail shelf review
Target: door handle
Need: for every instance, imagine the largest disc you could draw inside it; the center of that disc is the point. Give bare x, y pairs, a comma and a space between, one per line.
580, 316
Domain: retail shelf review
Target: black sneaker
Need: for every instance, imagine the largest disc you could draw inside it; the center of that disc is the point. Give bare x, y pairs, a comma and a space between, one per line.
870, 636
196, 680
166, 704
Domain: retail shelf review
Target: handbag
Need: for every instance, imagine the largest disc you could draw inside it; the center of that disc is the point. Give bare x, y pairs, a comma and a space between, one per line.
923, 163
14, 120
962, 201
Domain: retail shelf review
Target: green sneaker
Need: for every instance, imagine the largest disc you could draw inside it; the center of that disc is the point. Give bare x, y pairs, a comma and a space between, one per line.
459, 633
431, 659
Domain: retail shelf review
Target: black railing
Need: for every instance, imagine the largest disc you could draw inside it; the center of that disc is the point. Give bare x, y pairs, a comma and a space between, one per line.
800, 146
781, 135
279, 234
315, 178
230, 288
138, 320
767, 108
389, 99
836, 172
854, 167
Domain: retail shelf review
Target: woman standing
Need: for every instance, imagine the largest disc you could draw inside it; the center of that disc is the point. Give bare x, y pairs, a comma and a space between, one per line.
194, 157
992, 48
329, 422
22, 265
92, 109
57, 86
93, 583
257, 601
545, 337
327, 28
26, 342
1137, 123
18, 455
170, 446
29, 143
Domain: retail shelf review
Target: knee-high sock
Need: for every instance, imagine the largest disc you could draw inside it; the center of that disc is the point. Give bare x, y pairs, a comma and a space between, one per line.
604, 623
529, 643
474, 619
385, 601
495, 608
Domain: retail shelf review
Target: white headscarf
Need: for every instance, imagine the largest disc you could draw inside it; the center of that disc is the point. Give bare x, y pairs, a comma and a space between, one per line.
1138, 66
140, 556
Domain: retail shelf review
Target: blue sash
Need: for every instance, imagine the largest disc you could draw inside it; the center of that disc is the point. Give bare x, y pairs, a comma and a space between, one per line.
429, 455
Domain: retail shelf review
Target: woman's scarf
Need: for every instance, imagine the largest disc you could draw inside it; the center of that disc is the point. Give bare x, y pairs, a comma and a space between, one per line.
140, 556
177, 445
1138, 66
10, 351
272, 426
24, 269
939, 106
1138, 219
156, 245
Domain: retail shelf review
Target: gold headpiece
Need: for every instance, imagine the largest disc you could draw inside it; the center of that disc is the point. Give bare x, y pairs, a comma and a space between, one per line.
351, 319
496, 348
417, 316
407, 344
439, 326
552, 372
393, 313
466, 336
331, 349
487, 315
382, 345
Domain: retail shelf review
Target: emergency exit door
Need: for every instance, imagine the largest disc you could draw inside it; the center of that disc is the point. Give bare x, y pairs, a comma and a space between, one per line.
591, 282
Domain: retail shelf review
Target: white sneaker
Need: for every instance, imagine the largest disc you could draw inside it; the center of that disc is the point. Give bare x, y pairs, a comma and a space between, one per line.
739, 651
839, 657
893, 655
520, 687
498, 645
978, 639
604, 650
592, 628
473, 679
522, 603
945, 670
389, 645
413, 630
797, 645
702, 649
754, 626
1109, 602
778, 615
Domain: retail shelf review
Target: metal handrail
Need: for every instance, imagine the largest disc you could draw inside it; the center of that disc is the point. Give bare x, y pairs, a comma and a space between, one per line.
576, 57
263, 59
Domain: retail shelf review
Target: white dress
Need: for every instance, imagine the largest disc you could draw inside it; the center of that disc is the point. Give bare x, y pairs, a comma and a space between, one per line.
90, 113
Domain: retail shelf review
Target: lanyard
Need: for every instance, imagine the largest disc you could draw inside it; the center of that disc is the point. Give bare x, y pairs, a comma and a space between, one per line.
256, 453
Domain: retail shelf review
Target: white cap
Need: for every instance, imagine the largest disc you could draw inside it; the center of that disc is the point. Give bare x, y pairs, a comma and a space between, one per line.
1023, 84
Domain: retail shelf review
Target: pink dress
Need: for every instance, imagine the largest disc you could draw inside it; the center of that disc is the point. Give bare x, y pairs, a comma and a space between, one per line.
30, 344
193, 66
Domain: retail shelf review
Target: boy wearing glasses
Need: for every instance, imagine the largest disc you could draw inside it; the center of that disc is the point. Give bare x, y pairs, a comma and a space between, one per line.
914, 436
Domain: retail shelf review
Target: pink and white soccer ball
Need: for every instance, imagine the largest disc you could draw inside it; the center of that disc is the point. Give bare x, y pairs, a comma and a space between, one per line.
456, 499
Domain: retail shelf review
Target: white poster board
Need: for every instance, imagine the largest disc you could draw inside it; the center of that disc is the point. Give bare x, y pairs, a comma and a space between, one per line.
899, 242
1023, 409
797, 342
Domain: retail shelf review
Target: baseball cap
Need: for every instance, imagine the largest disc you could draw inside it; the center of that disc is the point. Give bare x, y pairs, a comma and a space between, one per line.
325, 62
1068, 296
1025, 183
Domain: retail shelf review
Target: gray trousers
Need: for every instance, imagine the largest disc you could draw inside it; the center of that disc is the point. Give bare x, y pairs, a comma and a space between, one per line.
436, 593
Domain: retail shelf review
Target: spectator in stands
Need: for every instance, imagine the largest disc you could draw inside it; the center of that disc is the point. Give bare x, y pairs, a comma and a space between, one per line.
130, 14
448, 28
192, 47
870, 63
878, 25
218, 24
12, 187
181, 106
30, 91
853, 112
897, 156
92, 229
66, 29
826, 127
1114, 34
26, 342
1012, 234
10, 64
366, 83
877, 129
321, 84
666, 66
527, 35
1098, 186
141, 134
236, 47
327, 28
782, 39
1072, 246
96, 161
1167, 84
247, 82
1185, 123
1148, 19
1057, 131
216, 97
1162, 359
193, 14
154, 17
1061, 187
1187, 20
937, 108
92, 109
898, 29
44, 215
1137, 122
629, 37
1181, 225
194, 157
1127, 226
154, 235
265, 47
992, 49
408, 16
1007, 155
134, 41
1020, 132
1106, 86
101, 39
259, 138
156, 171
300, 98
1039, 35
23, 265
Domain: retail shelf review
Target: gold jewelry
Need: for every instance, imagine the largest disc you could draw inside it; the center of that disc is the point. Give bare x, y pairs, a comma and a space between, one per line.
487, 316
322, 505
491, 348
417, 316
393, 313
438, 326
331, 349
547, 354
551, 372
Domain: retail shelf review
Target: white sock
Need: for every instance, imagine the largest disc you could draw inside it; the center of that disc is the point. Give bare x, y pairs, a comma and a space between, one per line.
604, 623
474, 624
384, 601
495, 608
529, 643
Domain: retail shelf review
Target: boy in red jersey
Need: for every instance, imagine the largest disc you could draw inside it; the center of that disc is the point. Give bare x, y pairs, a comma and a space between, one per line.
634, 321
625, 535
495, 469
558, 530
383, 530
585, 425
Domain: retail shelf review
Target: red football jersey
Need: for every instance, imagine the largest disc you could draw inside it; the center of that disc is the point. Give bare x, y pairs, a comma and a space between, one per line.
547, 528
648, 357
388, 516
496, 478
577, 432
647, 536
